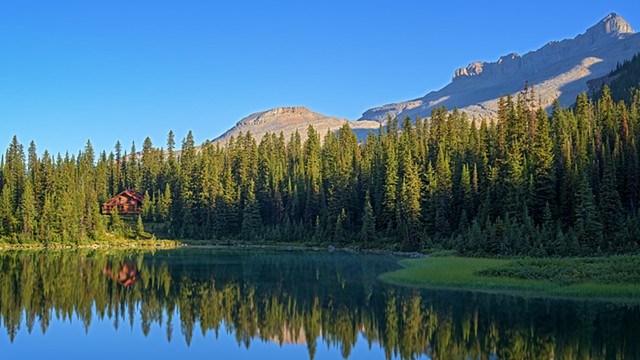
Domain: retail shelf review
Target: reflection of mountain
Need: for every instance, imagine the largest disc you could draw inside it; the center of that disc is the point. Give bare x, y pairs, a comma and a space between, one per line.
305, 298
290, 334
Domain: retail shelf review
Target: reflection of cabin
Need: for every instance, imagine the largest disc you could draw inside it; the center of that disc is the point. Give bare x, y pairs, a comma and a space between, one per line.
127, 203
126, 276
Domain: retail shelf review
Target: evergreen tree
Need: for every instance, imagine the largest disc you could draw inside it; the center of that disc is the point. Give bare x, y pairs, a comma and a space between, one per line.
442, 196
543, 192
117, 225
611, 213
390, 184
368, 229
251, 222
139, 226
147, 206
28, 212
409, 204
588, 227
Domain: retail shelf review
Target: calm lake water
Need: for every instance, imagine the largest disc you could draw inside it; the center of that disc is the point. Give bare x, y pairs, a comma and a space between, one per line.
250, 304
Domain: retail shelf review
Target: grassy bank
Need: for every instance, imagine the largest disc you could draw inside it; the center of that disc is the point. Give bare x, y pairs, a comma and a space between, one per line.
107, 243
607, 278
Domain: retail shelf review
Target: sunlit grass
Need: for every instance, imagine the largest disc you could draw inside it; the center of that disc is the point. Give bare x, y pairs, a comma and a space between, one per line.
109, 242
613, 278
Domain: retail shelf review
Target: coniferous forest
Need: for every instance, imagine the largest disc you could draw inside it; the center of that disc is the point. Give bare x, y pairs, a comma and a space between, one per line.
528, 182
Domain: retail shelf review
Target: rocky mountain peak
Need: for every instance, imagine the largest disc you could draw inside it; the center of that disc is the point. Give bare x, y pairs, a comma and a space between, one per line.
612, 24
291, 119
286, 112
293, 110
560, 70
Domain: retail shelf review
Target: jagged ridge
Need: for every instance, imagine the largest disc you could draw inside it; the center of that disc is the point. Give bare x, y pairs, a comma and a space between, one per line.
560, 69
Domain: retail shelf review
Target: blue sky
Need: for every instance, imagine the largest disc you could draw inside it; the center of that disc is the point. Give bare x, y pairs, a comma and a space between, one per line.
123, 70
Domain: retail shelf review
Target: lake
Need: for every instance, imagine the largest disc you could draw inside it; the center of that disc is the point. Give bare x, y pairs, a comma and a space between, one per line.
268, 304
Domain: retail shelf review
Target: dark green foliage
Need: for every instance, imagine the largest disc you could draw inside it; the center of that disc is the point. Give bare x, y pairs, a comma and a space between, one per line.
117, 225
612, 270
624, 81
368, 230
611, 213
587, 226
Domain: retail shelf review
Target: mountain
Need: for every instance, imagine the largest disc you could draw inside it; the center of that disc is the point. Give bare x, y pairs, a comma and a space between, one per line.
288, 120
559, 69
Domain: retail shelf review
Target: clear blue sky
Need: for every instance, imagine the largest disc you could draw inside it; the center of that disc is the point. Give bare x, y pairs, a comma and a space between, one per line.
77, 70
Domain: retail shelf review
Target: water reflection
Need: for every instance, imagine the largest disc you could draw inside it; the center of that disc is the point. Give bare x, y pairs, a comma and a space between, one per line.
127, 274
302, 298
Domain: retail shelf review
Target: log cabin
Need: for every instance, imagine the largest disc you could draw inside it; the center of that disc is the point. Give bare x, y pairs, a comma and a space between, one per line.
126, 202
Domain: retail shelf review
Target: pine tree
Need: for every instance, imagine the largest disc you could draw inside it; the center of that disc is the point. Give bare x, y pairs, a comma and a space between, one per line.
409, 204
48, 229
139, 226
118, 176
164, 204
390, 185
588, 227
442, 196
14, 173
28, 212
9, 221
251, 222
368, 229
339, 228
117, 225
466, 202
543, 192
147, 206
611, 212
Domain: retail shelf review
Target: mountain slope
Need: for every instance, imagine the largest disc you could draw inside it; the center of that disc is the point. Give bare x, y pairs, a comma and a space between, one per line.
288, 120
558, 70
623, 82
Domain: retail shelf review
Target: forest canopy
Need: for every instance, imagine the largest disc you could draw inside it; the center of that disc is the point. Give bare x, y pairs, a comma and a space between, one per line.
525, 183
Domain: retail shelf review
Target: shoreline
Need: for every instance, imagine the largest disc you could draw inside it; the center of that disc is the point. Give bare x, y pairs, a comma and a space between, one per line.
329, 248
128, 244
176, 244
462, 274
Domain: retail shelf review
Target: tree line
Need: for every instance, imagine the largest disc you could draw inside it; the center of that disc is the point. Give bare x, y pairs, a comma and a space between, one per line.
524, 183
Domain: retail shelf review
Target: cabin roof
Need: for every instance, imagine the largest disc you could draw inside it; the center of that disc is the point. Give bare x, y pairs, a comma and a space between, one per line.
133, 194
126, 202
127, 193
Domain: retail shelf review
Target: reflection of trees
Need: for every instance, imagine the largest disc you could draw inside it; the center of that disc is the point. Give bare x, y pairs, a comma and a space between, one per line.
299, 299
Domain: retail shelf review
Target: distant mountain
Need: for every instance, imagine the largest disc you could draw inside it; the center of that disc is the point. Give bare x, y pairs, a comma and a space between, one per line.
288, 120
560, 69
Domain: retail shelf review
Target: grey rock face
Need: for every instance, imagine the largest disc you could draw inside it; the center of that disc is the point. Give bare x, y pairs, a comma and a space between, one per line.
560, 69
288, 120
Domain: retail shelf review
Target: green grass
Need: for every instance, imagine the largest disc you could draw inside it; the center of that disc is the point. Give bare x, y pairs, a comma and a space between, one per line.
601, 270
608, 278
108, 242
